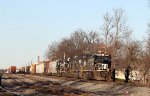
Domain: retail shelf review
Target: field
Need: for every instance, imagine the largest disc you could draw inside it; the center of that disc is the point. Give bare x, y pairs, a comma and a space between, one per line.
35, 85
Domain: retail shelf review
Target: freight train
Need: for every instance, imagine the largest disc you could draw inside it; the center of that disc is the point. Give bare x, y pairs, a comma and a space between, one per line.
95, 66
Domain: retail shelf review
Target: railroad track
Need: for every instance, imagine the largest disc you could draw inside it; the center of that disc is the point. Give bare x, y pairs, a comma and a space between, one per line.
7, 92
50, 84
20, 83
40, 85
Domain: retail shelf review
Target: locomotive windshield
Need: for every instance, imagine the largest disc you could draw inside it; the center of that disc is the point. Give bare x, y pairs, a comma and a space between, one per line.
102, 59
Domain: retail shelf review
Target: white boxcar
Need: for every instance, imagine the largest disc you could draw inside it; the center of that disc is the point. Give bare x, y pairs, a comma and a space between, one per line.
52, 68
39, 68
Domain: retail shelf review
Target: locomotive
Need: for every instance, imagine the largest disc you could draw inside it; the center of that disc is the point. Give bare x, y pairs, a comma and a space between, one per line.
96, 66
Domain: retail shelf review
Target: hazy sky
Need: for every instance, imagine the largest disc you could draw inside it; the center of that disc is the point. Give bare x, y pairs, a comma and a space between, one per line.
27, 27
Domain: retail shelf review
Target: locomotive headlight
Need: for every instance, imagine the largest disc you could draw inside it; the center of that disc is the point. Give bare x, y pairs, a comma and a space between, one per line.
107, 70
102, 54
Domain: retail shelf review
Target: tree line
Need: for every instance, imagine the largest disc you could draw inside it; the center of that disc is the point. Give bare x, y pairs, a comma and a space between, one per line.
115, 39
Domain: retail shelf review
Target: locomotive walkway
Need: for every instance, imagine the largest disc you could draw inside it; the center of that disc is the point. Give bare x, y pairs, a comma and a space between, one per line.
30, 84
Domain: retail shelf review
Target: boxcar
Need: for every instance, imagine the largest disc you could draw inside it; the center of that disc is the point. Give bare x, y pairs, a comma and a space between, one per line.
12, 69
27, 69
33, 69
23, 69
39, 69
52, 68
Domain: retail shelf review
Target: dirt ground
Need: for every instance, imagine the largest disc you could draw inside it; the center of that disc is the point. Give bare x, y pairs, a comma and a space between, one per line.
28, 85
31, 85
4, 93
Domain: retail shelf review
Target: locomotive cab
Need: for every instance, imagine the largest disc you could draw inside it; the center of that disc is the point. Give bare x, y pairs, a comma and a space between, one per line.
102, 62
102, 66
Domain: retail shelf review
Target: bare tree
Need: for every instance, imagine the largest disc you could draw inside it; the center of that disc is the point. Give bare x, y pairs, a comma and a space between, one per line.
51, 52
134, 53
116, 32
79, 43
146, 58
78, 39
121, 30
107, 28
145, 65
92, 41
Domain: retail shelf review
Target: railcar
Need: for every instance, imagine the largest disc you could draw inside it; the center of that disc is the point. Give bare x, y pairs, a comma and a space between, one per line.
27, 69
23, 70
39, 68
97, 66
12, 69
52, 68
59, 67
101, 64
33, 69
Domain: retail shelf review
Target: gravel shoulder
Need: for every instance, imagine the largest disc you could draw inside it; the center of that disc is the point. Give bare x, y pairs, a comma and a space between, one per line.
50, 85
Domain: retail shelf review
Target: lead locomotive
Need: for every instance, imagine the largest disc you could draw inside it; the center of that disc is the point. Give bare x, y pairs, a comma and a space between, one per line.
96, 66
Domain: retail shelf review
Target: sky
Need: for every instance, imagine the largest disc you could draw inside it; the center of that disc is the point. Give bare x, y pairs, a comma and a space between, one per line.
27, 27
